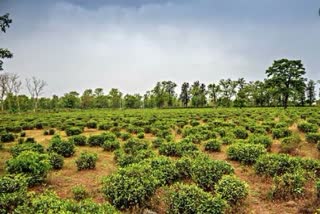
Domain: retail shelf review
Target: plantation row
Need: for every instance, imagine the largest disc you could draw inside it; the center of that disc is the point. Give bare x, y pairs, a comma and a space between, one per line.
165, 158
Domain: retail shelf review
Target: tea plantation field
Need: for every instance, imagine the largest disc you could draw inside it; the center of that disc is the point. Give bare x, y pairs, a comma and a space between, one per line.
225, 160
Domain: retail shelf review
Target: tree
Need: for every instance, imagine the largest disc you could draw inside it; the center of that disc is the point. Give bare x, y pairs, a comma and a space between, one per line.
132, 101
214, 91
169, 88
115, 98
228, 90
310, 91
70, 100
198, 92
5, 22
13, 88
87, 99
35, 87
185, 94
286, 76
4, 78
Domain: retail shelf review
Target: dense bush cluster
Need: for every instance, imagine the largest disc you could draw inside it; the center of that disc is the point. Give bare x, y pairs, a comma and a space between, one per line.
245, 152
61, 147
86, 161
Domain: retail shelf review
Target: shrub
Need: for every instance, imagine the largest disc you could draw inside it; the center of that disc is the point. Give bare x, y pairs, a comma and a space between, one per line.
30, 140
56, 160
130, 186
307, 127
313, 137
16, 150
64, 148
140, 135
183, 165
156, 143
191, 199
6, 137
96, 140
49, 132
288, 185
70, 131
79, 193
124, 159
261, 139
232, 189
134, 144
163, 169
33, 165
92, 124
240, 133
213, 146
290, 144
78, 140
13, 192
86, 161
276, 164
280, 133
245, 153
227, 140
110, 146
104, 126
22, 134
207, 172
125, 136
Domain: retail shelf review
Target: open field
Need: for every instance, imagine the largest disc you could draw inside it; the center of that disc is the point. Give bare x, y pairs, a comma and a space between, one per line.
240, 138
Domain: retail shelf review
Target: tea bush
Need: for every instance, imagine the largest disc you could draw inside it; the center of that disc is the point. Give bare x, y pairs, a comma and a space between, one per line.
70, 131
111, 145
124, 159
6, 137
240, 133
164, 169
307, 127
245, 153
16, 150
313, 137
92, 124
33, 165
191, 199
64, 148
156, 143
78, 140
86, 161
134, 144
213, 146
280, 133
56, 160
290, 144
261, 139
232, 189
79, 193
96, 140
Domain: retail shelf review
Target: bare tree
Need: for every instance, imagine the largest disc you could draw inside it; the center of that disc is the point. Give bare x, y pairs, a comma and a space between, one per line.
4, 78
35, 87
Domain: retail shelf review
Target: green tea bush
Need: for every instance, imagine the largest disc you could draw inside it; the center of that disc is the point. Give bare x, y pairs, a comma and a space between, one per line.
33, 165
86, 161
191, 199
78, 140
104, 126
30, 140
288, 185
130, 186
22, 134
70, 131
232, 189
16, 150
213, 145
184, 167
134, 144
124, 159
156, 143
313, 137
13, 192
227, 140
281, 132
276, 164
79, 193
64, 148
92, 124
111, 145
240, 133
96, 140
307, 127
6, 137
261, 139
164, 169
207, 172
245, 153
140, 135
125, 136
56, 160
290, 144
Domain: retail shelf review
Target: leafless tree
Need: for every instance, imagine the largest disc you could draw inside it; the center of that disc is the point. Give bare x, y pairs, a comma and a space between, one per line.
4, 78
35, 87
13, 88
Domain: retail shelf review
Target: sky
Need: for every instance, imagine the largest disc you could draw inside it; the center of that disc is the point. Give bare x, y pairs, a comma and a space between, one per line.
132, 44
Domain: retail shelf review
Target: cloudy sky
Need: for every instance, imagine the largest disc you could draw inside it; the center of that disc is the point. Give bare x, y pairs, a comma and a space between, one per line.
132, 44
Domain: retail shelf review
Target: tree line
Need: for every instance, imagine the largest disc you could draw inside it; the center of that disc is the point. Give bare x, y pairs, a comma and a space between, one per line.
285, 85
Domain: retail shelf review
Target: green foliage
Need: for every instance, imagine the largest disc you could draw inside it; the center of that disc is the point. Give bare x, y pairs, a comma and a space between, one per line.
13, 192
280, 133
79, 193
288, 185
318, 188
49, 132
191, 199
86, 161
92, 124
124, 159
307, 127
156, 143
96, 140
134, 144
290, 144
177, 149
207, 172
33, 165
6, 137
111, 145
16, 150
64, 148
56, 160
232, 189
78, 140
240, 133
184, 165
140, 135
70, 131
261, 139
130, 186
213, 146
313, 137
245, 153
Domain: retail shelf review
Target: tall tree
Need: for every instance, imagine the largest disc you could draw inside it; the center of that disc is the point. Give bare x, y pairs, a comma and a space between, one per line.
185, 94
4, 78
214, 91
87, 99
198, 92
70, 100
5, 22
115, 98
35, 87
311, 92
286, 76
